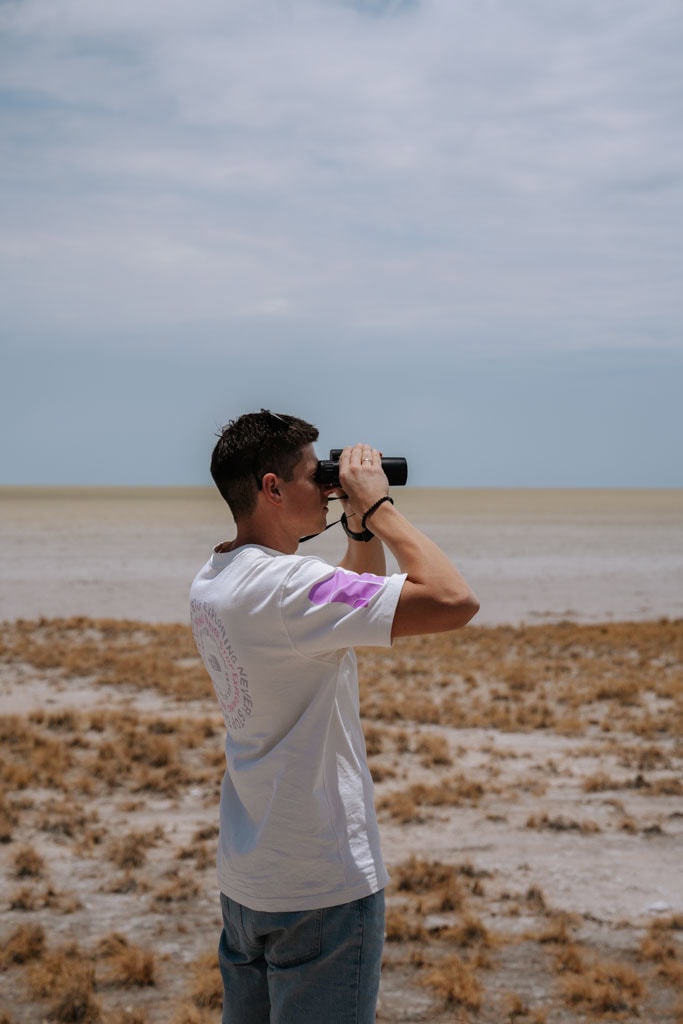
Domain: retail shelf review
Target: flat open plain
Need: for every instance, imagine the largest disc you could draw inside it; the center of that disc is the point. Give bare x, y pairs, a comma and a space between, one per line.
529, 769
529, 783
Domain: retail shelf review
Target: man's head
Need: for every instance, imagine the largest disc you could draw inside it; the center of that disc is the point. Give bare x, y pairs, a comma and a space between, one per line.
255, 444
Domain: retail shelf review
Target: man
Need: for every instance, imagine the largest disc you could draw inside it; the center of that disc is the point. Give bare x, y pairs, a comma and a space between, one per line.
299, 861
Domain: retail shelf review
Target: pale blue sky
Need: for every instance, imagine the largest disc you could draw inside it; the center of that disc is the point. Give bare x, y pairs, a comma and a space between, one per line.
450, 228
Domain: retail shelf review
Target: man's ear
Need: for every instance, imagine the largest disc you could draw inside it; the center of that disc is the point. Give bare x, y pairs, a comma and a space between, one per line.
270, 488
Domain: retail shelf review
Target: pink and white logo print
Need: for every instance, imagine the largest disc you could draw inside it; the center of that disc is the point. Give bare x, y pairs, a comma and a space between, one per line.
229, 679
354, 589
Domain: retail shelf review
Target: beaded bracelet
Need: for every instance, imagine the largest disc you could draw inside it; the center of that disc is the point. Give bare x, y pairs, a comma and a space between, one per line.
373, 508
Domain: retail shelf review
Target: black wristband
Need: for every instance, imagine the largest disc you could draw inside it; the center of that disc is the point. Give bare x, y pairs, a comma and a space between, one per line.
365, 535
373, 508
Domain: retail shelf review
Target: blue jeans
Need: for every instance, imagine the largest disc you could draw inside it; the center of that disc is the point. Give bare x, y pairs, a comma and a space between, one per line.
302, 967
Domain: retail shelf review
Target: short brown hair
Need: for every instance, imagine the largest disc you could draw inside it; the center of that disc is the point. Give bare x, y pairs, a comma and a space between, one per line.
252, 445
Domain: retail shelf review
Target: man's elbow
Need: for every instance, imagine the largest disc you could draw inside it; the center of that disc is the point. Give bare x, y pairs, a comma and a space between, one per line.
436, 611
462, 608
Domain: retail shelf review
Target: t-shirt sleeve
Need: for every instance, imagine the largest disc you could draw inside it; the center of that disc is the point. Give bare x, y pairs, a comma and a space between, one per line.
326, 608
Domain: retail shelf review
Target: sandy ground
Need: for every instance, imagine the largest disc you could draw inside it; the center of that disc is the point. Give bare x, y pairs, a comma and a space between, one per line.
559, 839
531, 555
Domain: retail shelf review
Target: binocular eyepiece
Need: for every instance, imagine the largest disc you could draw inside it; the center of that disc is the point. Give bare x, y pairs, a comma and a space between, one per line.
396, 470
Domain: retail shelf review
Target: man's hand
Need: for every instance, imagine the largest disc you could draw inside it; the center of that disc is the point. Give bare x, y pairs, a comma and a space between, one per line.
361, 482
362, 479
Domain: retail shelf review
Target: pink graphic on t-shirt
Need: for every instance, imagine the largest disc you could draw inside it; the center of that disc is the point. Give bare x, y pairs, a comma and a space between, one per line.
346, 588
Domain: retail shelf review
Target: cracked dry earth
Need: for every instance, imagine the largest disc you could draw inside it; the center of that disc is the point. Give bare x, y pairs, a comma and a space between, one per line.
529, 786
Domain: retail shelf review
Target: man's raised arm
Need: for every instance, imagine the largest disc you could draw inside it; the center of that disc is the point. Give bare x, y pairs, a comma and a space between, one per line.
435, 597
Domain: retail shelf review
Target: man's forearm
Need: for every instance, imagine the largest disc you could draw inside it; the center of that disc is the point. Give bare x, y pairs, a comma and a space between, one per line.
436, 596
362, 556
417, 556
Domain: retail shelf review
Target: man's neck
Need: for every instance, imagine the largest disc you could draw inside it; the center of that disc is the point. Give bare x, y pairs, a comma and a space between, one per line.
270, 535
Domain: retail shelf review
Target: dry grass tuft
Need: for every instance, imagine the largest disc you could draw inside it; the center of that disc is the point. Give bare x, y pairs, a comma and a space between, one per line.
455, 982
517, 1011
127, 965
178, 889
28, 899
28, 863
8, 819
75, 1005
402, 926
536, 898
31, 756
374, 740
66, 977
470, 933
561, 824
57, 968
23, 899
434, 750
556, 931
409, 804
569, 959
203, 855
206, 989
26, 943
603, 988
661, 947
438, 883
130, 851
663, 786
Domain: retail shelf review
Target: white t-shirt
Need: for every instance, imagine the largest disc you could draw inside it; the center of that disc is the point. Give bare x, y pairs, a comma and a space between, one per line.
298, 828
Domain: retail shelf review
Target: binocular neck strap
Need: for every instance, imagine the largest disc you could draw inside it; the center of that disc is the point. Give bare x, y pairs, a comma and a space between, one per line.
312, 535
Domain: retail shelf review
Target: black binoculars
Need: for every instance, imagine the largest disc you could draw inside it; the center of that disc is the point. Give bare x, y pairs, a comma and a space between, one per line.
328, 470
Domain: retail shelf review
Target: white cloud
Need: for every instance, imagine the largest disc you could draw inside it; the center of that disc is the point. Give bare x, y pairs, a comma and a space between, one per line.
404, 170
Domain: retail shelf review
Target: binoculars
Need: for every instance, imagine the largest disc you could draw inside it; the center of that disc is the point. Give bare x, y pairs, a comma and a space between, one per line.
396, 470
